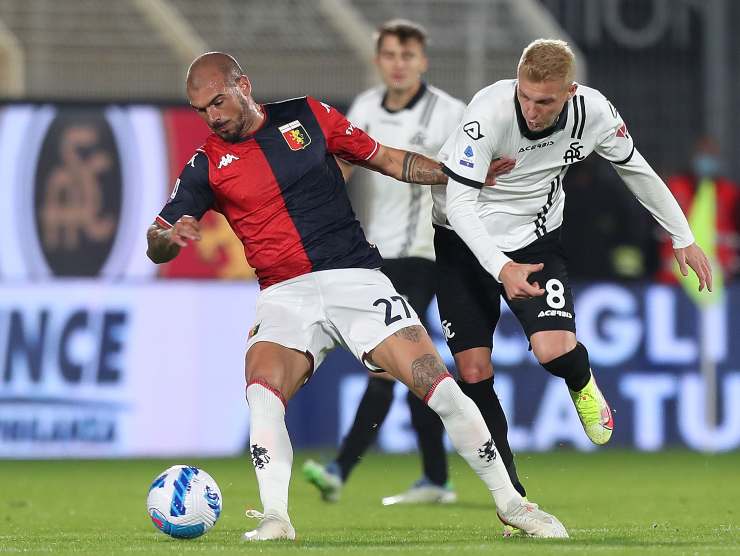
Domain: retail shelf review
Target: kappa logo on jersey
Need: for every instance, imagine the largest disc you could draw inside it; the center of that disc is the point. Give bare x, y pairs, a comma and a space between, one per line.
573, 154
191, 162
226, 160
537, 146
622, 131
295, 135
472, 130
326, 107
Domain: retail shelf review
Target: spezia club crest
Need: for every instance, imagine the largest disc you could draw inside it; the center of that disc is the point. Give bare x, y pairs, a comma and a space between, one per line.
295, 135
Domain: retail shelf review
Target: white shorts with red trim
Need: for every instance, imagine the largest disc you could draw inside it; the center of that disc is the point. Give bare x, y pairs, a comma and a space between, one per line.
355, 308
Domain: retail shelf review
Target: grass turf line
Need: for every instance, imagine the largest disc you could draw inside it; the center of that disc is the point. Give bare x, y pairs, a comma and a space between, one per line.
612, 502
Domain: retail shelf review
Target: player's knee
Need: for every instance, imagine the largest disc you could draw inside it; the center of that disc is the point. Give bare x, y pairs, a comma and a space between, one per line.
549, 347
475, 370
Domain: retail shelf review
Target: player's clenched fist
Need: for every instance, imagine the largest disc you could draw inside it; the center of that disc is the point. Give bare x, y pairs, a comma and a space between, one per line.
185, 229
514, 278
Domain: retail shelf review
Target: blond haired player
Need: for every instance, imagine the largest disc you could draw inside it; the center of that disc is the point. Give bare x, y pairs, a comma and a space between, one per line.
504, 241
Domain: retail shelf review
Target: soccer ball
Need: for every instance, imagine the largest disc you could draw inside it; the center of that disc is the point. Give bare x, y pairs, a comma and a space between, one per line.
184, 502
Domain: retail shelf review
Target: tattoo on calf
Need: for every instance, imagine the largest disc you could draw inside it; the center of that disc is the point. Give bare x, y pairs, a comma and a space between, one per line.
410, 333
425, 371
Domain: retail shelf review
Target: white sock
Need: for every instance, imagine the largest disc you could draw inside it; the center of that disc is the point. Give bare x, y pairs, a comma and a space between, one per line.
269, 444
472, 440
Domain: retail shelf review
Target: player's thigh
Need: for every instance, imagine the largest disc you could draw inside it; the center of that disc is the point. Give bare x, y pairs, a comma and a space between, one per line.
289, 334
415, 279
410, 356
364, 309
468, 297
282, 368
553, 311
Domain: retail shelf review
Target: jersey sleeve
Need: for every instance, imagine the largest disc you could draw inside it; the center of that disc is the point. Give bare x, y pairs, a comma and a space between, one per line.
465, 220
343, 138
192, 194
467, 153
614, 142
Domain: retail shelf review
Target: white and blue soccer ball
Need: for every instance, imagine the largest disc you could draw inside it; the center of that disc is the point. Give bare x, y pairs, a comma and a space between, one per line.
184, 502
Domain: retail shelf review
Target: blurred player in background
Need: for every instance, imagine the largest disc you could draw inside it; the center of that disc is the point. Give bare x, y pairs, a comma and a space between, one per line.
271, 170
505, 240
407, 113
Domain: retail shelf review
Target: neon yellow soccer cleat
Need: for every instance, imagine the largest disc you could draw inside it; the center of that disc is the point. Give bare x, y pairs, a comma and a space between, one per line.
594, 412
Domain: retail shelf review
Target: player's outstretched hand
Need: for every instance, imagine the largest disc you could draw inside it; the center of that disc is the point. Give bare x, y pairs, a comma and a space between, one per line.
499, 167
185, 229
514, 278
694, 257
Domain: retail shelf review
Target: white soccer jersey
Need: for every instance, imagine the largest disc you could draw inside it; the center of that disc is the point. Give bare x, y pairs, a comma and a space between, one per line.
528, 202
396, 216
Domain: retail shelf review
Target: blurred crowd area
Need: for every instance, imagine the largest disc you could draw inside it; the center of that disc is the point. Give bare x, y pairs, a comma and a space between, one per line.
669, 66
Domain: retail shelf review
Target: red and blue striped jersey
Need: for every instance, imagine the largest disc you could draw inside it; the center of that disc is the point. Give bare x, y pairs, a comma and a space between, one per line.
282, 192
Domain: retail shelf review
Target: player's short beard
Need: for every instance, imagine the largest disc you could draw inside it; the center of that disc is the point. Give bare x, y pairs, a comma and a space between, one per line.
241, 123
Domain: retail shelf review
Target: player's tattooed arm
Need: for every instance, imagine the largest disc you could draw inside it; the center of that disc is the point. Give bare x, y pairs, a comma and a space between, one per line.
407, 166
163, 244
413, 167
418, 168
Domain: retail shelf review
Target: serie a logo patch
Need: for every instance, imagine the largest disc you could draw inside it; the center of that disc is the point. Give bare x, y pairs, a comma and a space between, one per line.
295, 135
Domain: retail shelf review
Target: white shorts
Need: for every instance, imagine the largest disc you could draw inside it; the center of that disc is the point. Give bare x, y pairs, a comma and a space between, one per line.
355, 308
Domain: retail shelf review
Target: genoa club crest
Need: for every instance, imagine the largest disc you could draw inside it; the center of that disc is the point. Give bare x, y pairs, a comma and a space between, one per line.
295, 135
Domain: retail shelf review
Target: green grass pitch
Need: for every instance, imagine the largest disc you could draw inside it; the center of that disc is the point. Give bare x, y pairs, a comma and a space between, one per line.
612, 502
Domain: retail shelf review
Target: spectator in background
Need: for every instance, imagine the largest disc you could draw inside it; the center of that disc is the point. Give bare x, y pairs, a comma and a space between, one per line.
706, 169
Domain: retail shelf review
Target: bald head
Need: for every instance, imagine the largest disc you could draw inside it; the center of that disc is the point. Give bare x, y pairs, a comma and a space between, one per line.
222, 95
213, 65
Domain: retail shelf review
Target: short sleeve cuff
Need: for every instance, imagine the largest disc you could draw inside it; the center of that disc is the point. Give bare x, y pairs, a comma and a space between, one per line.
162, 222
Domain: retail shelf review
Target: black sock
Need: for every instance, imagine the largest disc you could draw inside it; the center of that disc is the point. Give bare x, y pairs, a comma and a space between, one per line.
373, 408
428, 427
485, 398
573, 366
